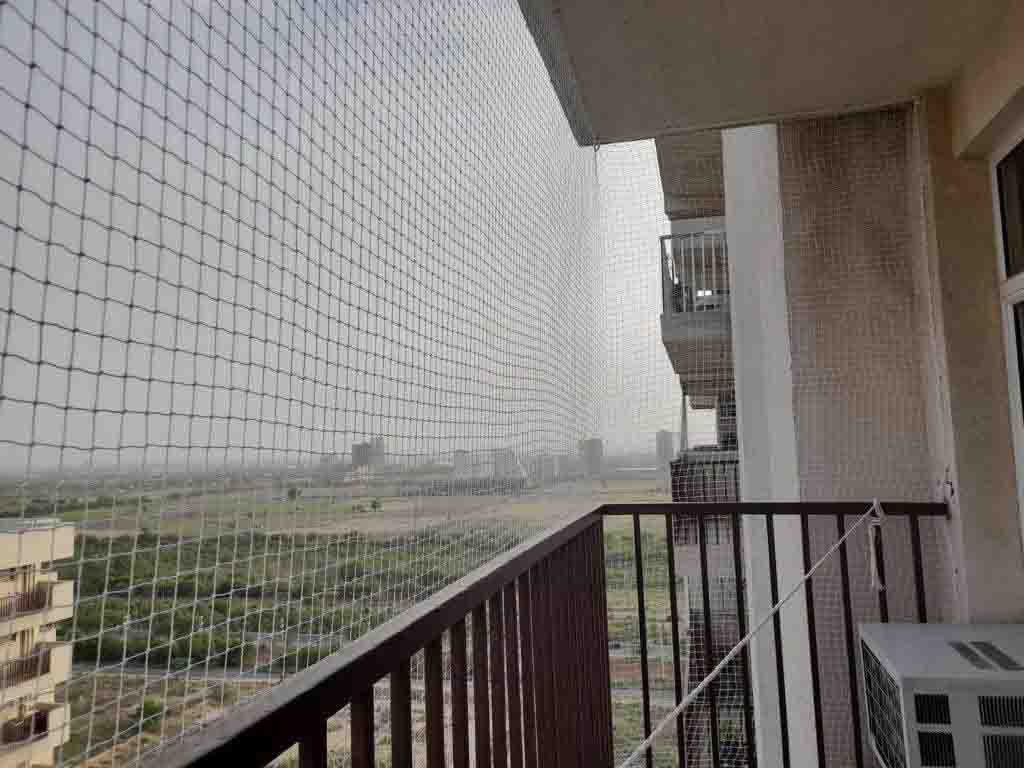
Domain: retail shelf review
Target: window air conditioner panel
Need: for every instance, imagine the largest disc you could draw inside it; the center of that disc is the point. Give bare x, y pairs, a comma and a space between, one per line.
931, 708
1003, 751
885, 713
936, 749
1001, 711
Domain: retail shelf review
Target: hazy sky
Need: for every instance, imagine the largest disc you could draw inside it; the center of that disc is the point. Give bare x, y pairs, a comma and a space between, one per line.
233, 233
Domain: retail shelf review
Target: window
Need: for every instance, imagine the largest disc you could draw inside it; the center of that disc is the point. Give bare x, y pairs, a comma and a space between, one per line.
1010, 179
1007, 168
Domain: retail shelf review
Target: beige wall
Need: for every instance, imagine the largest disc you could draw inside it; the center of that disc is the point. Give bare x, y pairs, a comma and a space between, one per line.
971, 428
857, 382
988, 94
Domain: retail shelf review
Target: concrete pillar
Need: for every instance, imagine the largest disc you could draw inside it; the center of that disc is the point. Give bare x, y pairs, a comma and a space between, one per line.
684, 435
767, 433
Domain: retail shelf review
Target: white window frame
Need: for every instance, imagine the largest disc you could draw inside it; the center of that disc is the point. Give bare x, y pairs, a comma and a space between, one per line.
1011, 293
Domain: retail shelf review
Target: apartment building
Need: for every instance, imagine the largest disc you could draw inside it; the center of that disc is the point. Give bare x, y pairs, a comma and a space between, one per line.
866, 163
33, 665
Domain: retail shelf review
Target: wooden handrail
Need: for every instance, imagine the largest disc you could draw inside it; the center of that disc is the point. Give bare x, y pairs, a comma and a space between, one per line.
259, 731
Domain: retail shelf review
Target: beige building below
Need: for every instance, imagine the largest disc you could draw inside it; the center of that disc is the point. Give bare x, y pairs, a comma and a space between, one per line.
32, 663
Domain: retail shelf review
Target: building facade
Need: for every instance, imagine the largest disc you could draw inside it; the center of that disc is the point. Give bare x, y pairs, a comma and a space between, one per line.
33, 665
871, 200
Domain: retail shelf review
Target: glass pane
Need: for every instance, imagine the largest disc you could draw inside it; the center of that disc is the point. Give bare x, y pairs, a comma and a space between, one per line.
1011, 204
1018, 322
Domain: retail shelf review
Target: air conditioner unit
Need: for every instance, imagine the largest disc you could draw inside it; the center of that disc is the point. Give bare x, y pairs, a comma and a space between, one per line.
941, 695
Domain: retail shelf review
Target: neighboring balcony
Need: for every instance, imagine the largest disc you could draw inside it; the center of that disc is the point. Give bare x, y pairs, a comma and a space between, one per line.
32, 740
37, 673
48, 603
695, 326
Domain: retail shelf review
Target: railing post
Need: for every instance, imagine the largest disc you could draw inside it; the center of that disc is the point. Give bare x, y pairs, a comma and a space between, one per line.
812, 638
530, 759
875, 531
638, 557
433, 675
401, 717
606, 748
741, 620
313, 746
851, 657
919, 586
676, 652
460, 696
361, 713
780, 668
499, 743
512, 678
712, 690
481, 710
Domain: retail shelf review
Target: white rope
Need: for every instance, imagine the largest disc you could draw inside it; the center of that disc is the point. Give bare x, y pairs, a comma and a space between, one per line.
874, 510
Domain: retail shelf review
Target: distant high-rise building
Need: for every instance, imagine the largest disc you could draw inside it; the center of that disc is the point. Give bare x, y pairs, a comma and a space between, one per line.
664, 443
504, 463
592, 455
370, 453
378, 451
360, 455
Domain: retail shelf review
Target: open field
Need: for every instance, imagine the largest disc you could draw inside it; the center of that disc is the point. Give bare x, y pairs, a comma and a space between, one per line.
189, 603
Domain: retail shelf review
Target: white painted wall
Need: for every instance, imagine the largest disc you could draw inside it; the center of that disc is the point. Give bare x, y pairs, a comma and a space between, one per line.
972, 429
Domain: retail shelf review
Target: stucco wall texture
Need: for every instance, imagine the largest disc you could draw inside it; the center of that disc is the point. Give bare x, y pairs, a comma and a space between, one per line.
851, 304
851, 243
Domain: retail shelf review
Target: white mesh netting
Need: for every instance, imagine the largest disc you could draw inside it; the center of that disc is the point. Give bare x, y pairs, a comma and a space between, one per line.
307, 310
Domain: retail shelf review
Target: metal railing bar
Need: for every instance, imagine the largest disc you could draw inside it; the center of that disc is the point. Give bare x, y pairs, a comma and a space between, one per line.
529, 677
362, 738
883, 598
433, 678
919, 587
676, 652
401, 716
851, 651
513, 678
702, 540
776, 508
812, 640
642, 616
313, 746
780, 669
262, 729
460, 695
741, 619
481, 708
496, 638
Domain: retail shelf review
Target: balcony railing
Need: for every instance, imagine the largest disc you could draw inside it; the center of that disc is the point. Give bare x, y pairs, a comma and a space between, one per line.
17, 732
20, 603
17, 671
694, 273
706, 476
536, 684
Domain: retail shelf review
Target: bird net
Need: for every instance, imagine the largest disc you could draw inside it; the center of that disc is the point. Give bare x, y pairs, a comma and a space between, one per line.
306, 310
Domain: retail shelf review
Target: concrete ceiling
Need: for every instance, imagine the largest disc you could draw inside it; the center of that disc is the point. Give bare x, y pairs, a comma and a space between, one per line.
631, 69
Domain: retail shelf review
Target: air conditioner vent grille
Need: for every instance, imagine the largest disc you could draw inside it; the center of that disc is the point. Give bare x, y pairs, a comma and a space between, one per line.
1004, 751
885, 714
936, 749
1002, 711
931, 709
